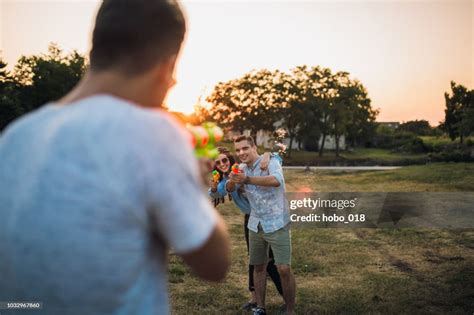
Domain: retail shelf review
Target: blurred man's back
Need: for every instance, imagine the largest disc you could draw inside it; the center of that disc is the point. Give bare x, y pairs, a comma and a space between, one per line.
91, 189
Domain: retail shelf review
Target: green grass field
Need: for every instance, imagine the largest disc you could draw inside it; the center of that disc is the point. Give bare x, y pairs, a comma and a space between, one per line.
431, 177
345, 271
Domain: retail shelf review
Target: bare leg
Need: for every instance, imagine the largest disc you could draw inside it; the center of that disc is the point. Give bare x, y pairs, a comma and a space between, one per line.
289, 287
253, 299
260, 279
251, 284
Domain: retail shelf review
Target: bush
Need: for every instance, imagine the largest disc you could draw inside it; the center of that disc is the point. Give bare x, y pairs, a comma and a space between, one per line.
400, 141
416, 146
452, 152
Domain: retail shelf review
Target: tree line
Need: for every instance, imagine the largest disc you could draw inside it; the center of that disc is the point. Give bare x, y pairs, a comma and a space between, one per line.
309, 103
36, 80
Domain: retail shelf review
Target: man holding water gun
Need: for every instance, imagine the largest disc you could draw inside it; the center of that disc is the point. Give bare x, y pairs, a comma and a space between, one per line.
268, 222
88, 196
224, 166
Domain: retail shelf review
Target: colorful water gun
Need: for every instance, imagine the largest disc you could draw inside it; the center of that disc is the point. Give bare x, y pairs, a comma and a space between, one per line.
235, 168
215, 176
204, 138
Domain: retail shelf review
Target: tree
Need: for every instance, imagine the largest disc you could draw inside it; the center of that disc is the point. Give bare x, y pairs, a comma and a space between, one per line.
466, 123
257, 95
244, 103
361, 126
342, 105
315, 83
324, 95
289, 95
418, 127
309, 103
9, 100
459, 116
200, 115
36, 80
47, 77
309, 131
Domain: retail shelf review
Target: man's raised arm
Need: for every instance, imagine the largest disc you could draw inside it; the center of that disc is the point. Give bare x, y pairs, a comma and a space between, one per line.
241, 178
269, 181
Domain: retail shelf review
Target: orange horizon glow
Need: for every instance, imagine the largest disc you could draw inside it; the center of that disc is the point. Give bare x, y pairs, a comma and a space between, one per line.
405, 53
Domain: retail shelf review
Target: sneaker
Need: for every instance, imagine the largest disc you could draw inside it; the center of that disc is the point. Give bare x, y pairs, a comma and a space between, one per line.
249, 306
259, 311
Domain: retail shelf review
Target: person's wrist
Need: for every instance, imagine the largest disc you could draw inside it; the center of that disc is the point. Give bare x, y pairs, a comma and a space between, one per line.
247, 180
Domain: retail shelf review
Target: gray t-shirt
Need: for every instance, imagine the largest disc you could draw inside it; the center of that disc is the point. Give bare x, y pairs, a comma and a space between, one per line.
91, 195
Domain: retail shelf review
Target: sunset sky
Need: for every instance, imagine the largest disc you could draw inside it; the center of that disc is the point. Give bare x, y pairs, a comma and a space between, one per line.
404, 52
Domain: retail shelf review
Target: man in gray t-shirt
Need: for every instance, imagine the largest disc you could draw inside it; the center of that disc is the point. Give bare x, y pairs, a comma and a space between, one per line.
96, 187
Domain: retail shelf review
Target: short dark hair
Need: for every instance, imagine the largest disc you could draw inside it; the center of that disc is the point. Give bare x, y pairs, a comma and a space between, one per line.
243, 137
133, 35
223, 150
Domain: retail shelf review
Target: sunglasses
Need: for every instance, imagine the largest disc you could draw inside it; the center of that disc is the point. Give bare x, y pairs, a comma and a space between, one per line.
223, 161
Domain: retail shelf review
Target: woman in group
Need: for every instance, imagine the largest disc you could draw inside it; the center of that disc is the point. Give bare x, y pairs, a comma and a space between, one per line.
223, 164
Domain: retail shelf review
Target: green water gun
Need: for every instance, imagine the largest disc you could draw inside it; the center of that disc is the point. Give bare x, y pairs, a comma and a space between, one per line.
204, 138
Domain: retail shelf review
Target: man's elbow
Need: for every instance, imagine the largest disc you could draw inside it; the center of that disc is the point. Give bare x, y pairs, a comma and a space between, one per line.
275, 182
222, 256
219, 270
212, 261
215, 270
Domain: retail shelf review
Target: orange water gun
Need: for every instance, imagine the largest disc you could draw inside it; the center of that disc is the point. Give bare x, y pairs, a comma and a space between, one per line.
203, 139
215, 176
235, 168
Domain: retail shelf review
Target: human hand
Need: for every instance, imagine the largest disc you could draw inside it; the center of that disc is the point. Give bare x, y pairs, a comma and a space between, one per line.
213, 185
238, 178
205, 168
265, 161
